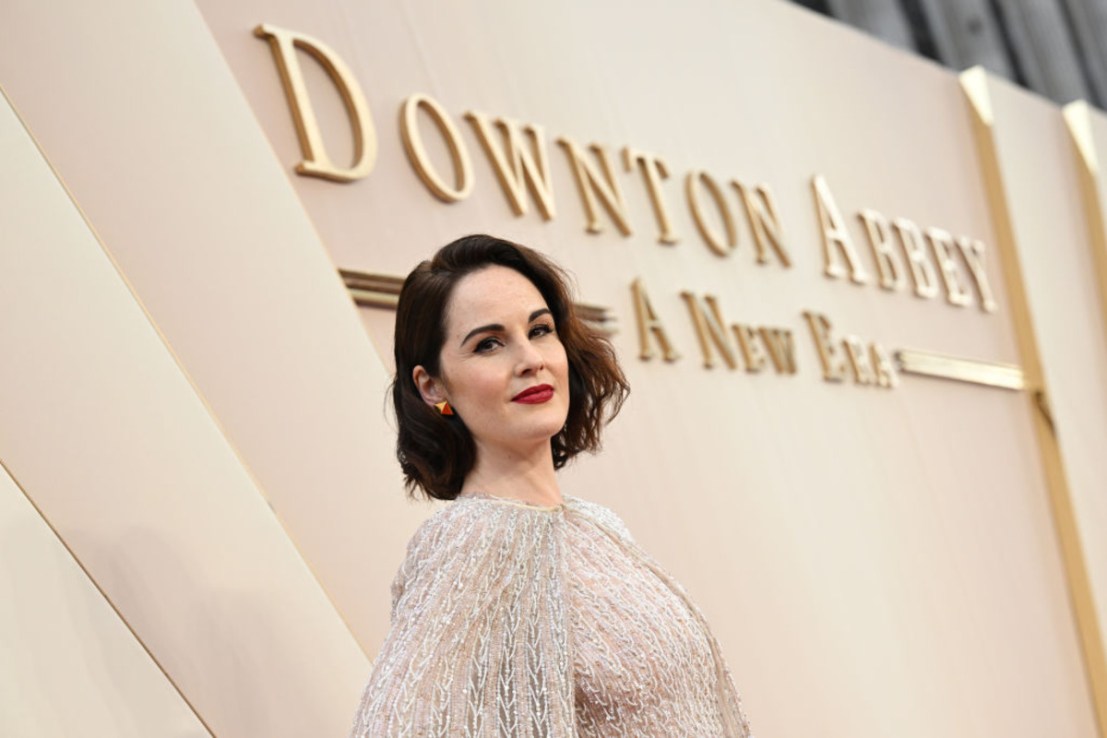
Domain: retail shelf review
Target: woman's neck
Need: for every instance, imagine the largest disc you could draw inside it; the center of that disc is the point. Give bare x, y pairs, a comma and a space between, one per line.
527, 477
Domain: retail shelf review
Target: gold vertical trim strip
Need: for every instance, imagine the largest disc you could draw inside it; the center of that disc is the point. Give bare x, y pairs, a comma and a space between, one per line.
1078, 117
975, 85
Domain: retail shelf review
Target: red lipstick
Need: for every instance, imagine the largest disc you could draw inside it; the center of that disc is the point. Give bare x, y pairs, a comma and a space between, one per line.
534, 395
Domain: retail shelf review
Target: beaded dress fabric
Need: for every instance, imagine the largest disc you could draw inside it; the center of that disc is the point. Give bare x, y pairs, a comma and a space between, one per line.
511, 619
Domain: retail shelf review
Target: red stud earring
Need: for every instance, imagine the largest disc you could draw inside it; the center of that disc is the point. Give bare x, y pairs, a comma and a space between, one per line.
444, 408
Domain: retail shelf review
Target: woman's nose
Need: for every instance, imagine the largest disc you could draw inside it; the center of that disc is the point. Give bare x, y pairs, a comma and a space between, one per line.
530, 358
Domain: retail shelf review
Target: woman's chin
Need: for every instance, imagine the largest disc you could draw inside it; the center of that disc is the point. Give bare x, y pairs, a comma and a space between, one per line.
525, 441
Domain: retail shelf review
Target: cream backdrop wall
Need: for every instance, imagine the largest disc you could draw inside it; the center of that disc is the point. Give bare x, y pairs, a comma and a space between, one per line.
874, 561
108, 439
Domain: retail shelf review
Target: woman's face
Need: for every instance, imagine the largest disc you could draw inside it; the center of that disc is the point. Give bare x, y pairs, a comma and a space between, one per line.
503, 368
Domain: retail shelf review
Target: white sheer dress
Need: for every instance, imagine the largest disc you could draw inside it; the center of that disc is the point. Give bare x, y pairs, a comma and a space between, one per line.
510, 619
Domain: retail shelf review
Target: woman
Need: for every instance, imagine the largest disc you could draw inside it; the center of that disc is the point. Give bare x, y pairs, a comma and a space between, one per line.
519, 611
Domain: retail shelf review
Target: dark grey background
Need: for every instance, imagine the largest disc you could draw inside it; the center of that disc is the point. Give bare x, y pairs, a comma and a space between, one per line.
1057, 48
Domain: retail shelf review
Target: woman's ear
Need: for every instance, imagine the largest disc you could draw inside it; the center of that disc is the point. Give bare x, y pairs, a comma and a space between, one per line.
430, 388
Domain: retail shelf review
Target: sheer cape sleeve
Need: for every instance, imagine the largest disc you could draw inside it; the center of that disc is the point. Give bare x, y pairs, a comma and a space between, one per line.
732, 716
478, 644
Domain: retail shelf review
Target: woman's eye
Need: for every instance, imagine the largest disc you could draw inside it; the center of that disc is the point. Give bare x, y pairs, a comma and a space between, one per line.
486, 345
541, 329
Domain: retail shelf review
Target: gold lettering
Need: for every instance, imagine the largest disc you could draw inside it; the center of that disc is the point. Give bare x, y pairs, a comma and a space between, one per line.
940, 243
709, 330
653, 171
592, 183
752, 354
710, 237
648, 323
833, 371
781, 349
520, 168
858, 360
417, 153
973, 252
764, 222
883, 367
316, 162
887, 265
836, 239
922, 273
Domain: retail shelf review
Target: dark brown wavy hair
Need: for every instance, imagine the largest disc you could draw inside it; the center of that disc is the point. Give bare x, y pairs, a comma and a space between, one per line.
437, 452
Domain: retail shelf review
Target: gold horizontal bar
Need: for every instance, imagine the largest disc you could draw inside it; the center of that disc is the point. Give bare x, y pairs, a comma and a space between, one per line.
374, 298
383, 291
989, 373
379, 282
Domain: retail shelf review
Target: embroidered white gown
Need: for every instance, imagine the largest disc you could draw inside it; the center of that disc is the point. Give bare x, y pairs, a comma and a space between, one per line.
511, 619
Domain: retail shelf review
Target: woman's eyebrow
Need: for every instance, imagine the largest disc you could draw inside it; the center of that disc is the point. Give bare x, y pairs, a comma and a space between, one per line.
498, 327
481, 329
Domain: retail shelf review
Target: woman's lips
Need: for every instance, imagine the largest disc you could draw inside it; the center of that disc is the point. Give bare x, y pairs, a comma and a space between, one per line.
534, 395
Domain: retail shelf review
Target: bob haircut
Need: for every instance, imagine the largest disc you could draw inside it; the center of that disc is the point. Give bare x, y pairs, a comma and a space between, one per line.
437, 452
